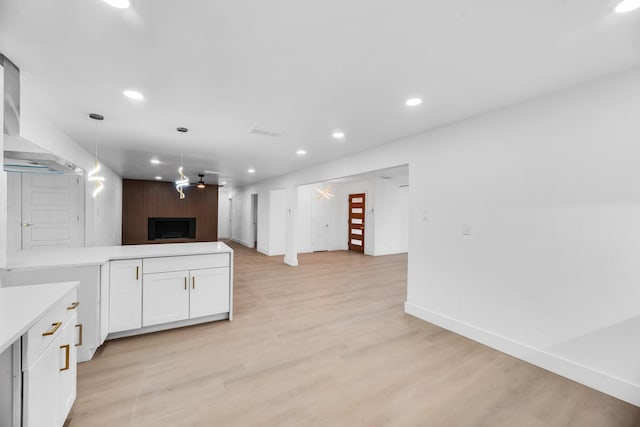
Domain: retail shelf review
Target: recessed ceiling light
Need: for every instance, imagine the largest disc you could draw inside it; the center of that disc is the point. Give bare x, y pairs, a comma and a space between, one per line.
301, 152
627, 6
158, 178
338, 134
223, 182
133, 94
413, 102
120, 4
251, 171
155, 161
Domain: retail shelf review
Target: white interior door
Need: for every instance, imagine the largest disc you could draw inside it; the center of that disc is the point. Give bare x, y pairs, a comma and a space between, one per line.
224, 224
51, 214
320, 225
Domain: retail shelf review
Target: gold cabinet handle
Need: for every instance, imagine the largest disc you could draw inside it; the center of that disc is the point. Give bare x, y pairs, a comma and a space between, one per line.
185, 283
54, 328
73, 305
193, 282
79, 326
67, 349
137, 272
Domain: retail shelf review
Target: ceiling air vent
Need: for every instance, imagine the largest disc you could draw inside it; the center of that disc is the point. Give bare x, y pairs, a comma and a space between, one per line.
262, 131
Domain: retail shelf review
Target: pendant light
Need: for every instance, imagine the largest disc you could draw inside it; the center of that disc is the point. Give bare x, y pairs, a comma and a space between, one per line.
92, 175
183, 180
201, 182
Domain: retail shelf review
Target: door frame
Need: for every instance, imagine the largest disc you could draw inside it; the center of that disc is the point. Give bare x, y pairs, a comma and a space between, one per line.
254, 221
356, 216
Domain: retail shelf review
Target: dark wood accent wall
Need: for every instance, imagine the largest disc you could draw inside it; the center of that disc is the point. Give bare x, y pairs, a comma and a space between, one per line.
147, 199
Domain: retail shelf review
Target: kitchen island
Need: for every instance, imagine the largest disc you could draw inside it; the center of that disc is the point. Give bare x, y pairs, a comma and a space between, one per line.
130, 290
38, 343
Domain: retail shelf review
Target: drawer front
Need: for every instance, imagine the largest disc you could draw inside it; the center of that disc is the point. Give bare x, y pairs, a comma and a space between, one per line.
188, 262
47, 329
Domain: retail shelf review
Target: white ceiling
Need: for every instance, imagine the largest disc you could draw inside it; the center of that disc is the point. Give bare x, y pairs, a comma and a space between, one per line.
299, 67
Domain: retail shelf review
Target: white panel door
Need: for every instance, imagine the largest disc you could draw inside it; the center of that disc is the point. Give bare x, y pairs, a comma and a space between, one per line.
209, 292
125, 295
165, 297
51, 214
320, 224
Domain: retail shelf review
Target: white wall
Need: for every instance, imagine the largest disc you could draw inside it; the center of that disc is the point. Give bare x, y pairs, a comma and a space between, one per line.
3, 180
550, 191
277, 221
303, 218
103, 215
391, 217
386, 215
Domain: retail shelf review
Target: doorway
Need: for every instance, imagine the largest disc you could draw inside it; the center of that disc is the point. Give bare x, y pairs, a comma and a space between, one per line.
356, 222
254, 220
320, 224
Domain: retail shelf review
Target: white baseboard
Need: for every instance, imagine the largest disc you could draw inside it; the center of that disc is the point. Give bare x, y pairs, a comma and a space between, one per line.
382, 253
614, 386
262, 251
242, 242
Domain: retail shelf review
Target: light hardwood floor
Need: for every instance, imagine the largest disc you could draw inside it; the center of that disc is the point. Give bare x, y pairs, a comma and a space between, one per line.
326, 343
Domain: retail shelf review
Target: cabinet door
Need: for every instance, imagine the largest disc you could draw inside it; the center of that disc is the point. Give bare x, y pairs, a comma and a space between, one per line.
166, 297
40, 406
125, 295
209, 292
67, 369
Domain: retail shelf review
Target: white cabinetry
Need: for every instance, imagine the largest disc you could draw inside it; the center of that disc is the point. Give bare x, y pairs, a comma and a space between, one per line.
49, 366
90, 314
170, 291
125, 295
165, 297
179, 295
209, 292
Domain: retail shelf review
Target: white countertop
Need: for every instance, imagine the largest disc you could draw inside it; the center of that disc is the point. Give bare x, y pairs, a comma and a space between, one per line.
79, 257
22, 306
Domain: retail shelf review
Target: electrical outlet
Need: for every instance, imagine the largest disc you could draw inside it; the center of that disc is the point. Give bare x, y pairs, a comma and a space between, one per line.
425, 215
466, 229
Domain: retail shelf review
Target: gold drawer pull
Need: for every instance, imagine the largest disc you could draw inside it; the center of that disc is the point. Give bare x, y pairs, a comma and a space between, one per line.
67, 349
55, 327
137, 272
193, 282
79, 326
73, 305
185, 283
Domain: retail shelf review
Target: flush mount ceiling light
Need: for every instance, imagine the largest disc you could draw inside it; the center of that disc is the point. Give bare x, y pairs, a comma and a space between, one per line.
627, 6
155, 161
93, 176
119, 4
301, 152
413, 102
251, 171
133, 94
338, 134
183, 180
201, 182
